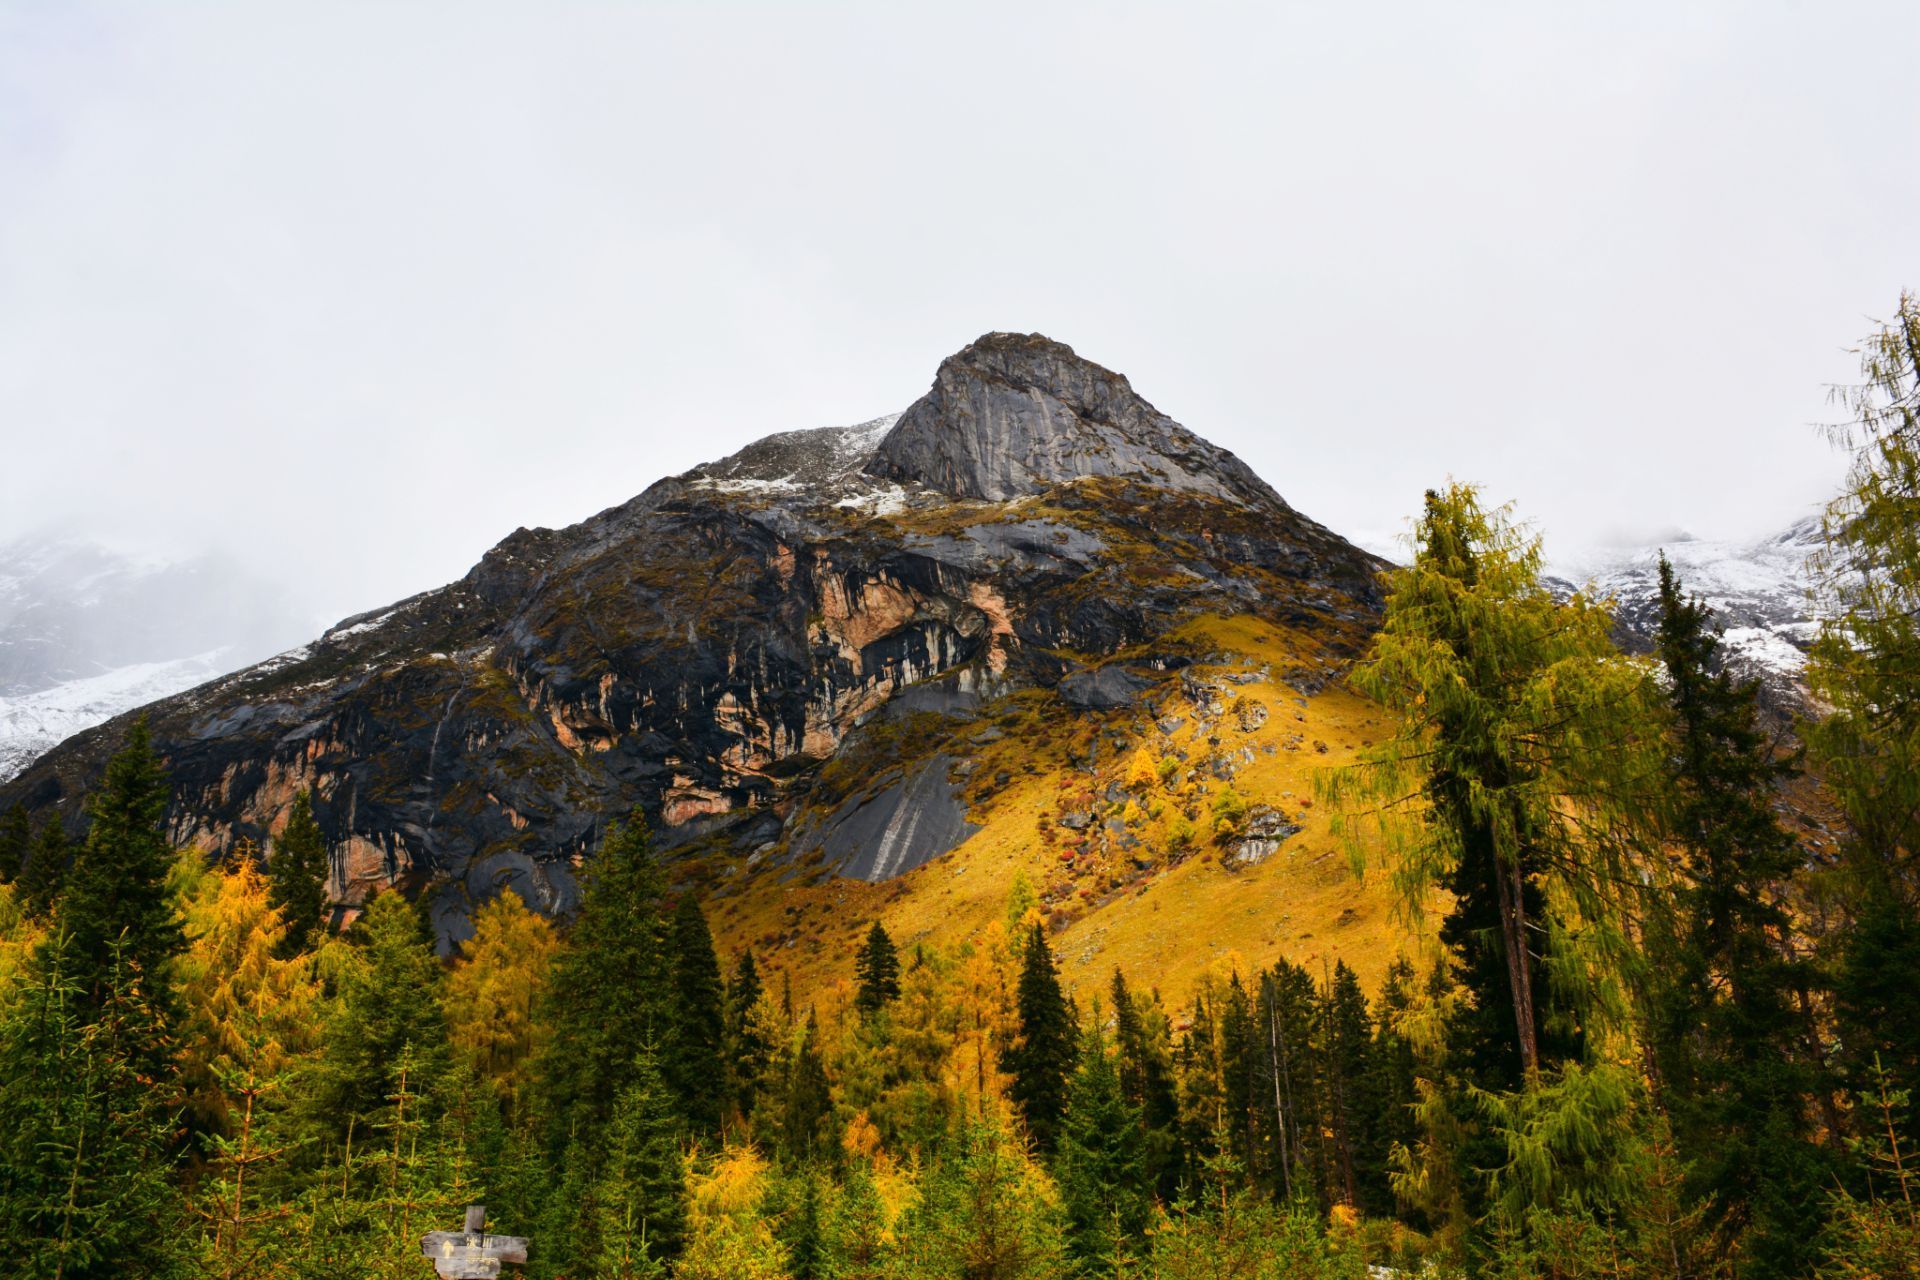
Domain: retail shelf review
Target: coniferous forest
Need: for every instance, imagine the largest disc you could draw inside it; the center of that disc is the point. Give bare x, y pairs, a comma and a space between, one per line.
1637, 1027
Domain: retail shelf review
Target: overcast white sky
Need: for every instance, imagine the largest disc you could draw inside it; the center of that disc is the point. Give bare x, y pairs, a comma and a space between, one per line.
355, 290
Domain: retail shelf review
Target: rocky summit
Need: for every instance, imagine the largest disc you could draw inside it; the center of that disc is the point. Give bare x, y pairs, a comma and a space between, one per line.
1012, 416
791, 659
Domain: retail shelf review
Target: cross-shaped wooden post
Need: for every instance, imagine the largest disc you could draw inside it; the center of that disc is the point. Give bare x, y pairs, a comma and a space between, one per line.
472, 1254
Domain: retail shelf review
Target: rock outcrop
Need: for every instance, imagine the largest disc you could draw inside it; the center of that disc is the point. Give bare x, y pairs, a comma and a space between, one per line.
712, 651
1015, 414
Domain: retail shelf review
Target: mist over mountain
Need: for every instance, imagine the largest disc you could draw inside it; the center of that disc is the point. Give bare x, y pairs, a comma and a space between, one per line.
88, 630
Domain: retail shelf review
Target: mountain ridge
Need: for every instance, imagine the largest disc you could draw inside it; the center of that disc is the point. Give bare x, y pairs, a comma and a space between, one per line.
707, 649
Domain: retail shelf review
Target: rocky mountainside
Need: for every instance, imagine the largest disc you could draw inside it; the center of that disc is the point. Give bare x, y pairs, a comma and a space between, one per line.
87, 632
816, 665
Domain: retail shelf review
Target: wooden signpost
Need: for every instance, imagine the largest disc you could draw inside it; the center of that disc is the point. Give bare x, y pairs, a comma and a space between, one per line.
472, 1254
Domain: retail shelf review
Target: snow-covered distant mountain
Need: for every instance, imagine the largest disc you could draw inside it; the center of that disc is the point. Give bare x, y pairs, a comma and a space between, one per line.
1759, 591
87, 631
31, 723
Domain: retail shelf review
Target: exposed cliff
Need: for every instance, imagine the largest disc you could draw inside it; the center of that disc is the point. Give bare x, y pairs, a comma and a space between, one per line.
768, 654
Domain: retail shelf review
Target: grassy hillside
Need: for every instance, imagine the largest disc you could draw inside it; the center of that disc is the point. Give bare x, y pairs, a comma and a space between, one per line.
1126, 823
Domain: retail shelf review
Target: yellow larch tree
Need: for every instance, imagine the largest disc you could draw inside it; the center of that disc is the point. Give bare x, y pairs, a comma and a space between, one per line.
19, 935
492, 994
985, 1023
249, 1012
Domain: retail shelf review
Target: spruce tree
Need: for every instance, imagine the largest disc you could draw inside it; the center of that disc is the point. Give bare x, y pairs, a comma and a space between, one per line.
1347, 1051
1043, 1052
1247, 1134
116, 907
46, 870
1726, 1015
749, 1055
1387, 1094
693, 1057
1144, 1060
297, 873
984, 1212
1101, 1166
609, 996
389, 1014
1202, 1097
639, 1201
801, 1230
1286, 1087
806, 1118
16, 841
85, 1176
878, 970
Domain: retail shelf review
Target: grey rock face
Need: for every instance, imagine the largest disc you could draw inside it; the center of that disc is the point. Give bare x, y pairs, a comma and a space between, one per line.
1267, 829
906, 824
1014, 414
1103, 688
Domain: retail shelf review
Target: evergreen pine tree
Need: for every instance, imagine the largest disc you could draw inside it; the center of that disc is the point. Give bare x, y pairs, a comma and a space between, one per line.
806, 1118
640, 1198
608, 997
801, 1230
85, 1174
297, 873
1247, 1135
46, 870
985, 1211
857, 1229
16, 841
1347, 1049
693, 1058
116, 907
749, 1055
1203, 1101
1387, 1094
1101, 1166
878, 970
389, 1014
1144, 1060
1287, 1115
1043, 1052
1726, 1016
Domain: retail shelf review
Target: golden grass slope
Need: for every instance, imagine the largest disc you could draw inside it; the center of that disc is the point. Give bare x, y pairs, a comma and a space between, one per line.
1123, 822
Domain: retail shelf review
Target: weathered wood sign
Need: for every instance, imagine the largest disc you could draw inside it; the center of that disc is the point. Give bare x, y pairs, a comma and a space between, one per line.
472, 1254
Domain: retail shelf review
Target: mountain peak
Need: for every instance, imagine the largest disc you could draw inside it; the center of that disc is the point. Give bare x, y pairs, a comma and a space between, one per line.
1014, 414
